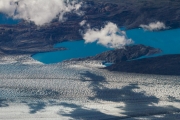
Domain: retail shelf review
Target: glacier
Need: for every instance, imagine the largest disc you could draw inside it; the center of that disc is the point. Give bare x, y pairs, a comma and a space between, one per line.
83, 90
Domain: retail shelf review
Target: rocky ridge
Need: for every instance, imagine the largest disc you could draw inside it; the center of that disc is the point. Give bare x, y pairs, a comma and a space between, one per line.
162, 65
124, 54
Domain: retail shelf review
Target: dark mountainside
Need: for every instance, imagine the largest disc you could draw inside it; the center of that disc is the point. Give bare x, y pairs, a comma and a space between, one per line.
128, 53
132, 13
27, 38
162, 65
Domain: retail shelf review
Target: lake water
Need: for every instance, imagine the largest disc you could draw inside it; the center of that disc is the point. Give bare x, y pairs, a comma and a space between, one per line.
7, 20
168, 41
76, 49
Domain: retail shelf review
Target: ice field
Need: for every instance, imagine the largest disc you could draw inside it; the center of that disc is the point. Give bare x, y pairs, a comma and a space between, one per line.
30, 90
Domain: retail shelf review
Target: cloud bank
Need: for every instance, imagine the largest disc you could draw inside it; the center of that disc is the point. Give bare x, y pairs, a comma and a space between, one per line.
39, 11
154, 26
110, 36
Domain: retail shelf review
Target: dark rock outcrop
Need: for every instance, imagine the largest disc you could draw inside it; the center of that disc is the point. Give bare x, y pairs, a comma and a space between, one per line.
127, 53
27, 38
162, 65
124, 54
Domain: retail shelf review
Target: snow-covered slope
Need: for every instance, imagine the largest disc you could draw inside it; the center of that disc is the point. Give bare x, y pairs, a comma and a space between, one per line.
80, 90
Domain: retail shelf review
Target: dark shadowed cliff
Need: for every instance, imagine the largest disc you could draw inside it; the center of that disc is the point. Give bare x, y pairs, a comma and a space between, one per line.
163, 65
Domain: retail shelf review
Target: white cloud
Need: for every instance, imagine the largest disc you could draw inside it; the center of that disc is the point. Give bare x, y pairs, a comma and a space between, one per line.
110, 36
39, 11
154, 26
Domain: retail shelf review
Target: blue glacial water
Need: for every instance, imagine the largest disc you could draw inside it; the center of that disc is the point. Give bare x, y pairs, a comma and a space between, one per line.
4, 19
168, 41
76, 49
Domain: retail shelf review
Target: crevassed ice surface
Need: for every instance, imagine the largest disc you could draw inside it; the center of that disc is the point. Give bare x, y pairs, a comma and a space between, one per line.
80, 90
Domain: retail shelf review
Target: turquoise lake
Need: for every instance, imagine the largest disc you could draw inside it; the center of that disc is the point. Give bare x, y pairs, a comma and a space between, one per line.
75, 49
7, 20
168, 41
